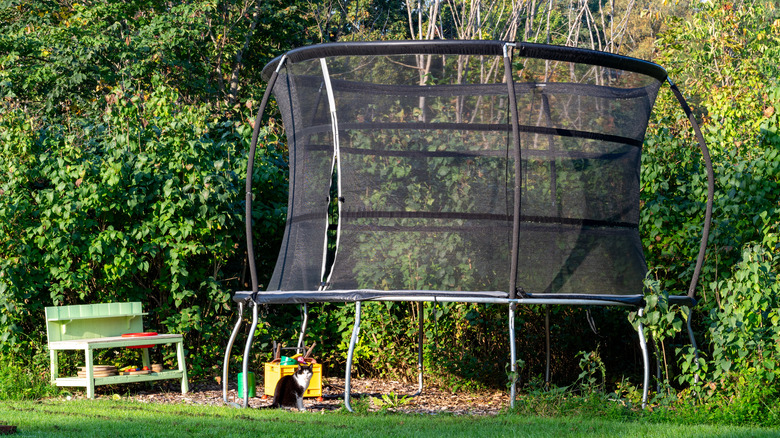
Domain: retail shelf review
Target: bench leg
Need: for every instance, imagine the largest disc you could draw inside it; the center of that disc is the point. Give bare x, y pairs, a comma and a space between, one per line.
55, 365
88, 357
145, 358
185, 387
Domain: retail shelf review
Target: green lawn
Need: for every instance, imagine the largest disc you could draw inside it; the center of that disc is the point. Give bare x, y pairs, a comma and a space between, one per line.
112, 419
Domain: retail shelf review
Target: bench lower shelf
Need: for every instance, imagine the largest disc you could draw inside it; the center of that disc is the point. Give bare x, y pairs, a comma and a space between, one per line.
111, 380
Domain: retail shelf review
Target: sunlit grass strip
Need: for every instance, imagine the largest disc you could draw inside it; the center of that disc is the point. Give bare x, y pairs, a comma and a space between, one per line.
108, 418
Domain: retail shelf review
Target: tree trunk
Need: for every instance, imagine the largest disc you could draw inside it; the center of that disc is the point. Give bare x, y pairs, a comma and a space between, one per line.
239, 60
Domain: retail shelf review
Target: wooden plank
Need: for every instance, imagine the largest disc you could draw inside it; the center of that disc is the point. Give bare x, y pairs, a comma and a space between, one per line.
100, 310
83, 374
115, 380
79, 318
114, 342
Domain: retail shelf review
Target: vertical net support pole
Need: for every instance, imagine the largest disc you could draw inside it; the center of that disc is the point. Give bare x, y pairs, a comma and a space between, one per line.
512, 100
705, 154
350, 354
250, 246
228, 350
517, 171
553, 204
337, 166
250, 249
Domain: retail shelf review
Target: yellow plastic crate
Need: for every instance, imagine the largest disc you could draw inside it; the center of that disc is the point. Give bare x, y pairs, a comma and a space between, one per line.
274, 372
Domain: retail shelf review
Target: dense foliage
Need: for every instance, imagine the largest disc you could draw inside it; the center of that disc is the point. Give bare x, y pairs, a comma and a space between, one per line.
123, 133
722, 57
123, 127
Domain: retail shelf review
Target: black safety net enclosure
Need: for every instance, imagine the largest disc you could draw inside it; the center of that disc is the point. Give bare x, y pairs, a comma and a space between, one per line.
474, 171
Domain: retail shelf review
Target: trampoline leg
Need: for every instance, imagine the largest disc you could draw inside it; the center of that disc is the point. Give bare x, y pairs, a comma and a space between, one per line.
693, 344
645, 361
512, 355
657, 368
229, 349
421, 315
250, 338
301, 346
352, 342
547, 345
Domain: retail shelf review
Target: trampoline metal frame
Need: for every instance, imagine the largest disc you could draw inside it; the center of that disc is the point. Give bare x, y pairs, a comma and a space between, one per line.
244, 299
512, 305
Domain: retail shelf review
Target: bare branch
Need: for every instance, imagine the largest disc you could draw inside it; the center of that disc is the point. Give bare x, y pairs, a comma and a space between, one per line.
239, 62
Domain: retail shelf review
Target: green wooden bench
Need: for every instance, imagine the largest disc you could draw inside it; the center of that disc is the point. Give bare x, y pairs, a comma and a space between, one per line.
94, 326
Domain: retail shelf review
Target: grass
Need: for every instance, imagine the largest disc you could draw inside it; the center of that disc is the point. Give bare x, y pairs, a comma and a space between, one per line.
121, 418
37, 410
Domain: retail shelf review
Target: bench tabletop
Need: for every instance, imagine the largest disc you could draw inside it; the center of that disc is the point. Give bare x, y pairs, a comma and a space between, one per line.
113, 341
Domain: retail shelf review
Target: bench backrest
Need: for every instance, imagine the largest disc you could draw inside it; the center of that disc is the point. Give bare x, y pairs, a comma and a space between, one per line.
88, 321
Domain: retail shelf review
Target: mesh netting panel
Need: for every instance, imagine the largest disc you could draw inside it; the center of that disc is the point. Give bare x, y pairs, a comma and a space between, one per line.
426, 168
299, 266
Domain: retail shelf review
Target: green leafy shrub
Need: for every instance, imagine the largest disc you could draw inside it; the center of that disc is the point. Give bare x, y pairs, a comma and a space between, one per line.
727, 72
740, 375
144, 205
18, 381
122, 149
745, 328
721, 59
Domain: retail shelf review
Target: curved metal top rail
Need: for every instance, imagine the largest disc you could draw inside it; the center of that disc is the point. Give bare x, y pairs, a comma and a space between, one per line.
462, 47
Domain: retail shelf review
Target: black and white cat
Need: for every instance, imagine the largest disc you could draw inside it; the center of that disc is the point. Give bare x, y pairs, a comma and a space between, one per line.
289, 389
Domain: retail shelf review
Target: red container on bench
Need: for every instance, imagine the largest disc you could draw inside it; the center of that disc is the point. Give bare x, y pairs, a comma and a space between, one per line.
135, 335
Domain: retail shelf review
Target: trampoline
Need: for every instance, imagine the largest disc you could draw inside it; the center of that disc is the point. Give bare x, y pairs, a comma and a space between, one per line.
460, 171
